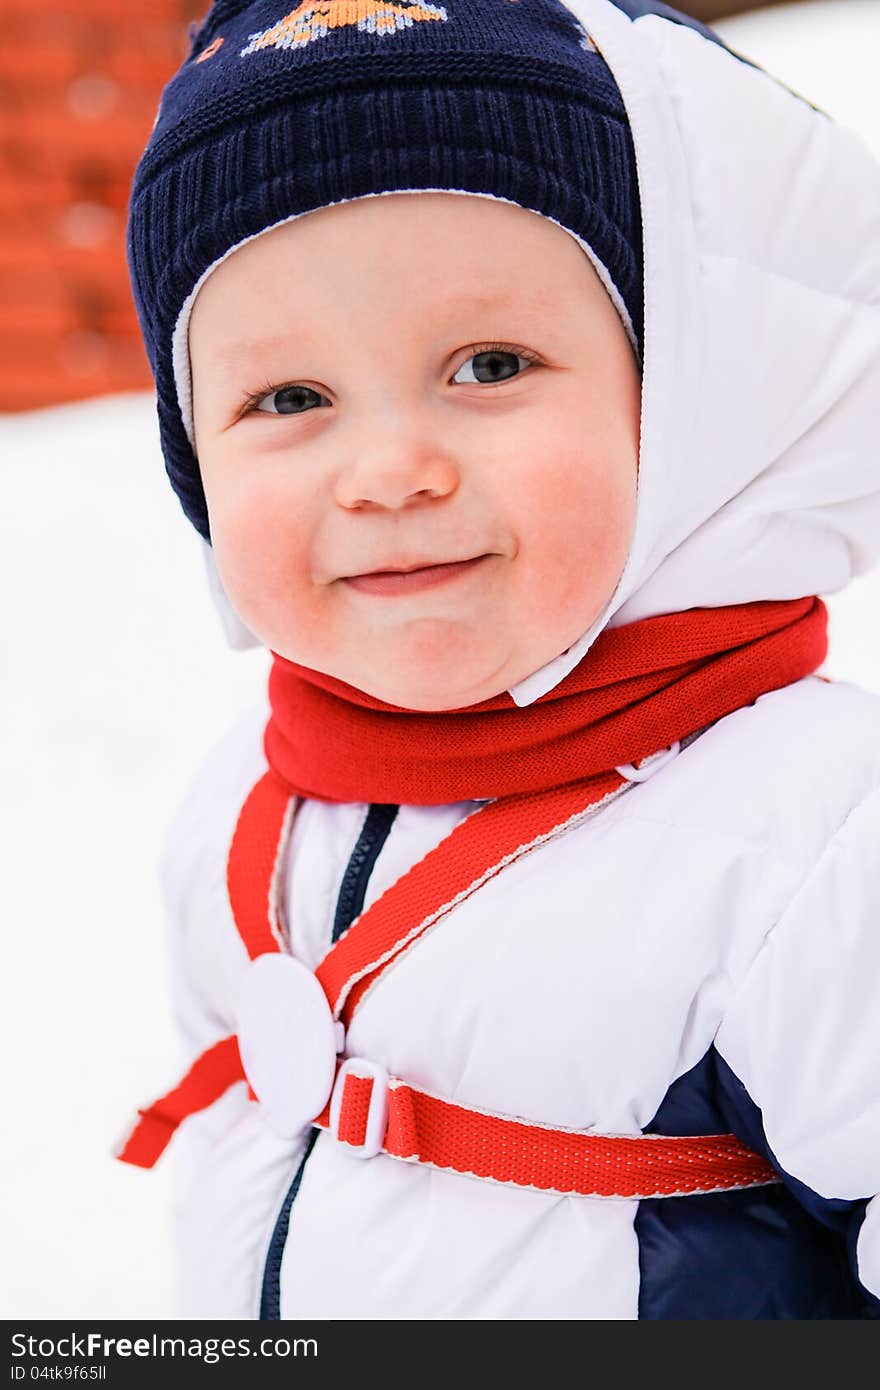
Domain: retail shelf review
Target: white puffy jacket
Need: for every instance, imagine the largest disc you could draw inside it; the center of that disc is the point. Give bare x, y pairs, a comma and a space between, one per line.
703, 955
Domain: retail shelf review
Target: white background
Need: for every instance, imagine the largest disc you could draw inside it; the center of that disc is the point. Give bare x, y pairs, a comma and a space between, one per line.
116, 680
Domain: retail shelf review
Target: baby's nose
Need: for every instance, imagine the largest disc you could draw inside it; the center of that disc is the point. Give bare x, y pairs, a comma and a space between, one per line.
393, 478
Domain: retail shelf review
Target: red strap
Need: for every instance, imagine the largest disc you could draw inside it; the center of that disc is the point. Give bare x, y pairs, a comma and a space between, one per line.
355, 1109
427, 1129
254, 864
208, 1078
422, 1127
477, 849
252, 880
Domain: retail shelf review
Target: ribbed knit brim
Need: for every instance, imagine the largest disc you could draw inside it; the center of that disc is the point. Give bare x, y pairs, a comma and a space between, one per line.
501, 97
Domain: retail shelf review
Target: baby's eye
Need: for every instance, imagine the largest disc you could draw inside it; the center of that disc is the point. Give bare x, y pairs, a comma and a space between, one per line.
494, 364
288, 400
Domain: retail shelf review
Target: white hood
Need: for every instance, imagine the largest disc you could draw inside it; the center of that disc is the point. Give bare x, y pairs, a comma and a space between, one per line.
759, 473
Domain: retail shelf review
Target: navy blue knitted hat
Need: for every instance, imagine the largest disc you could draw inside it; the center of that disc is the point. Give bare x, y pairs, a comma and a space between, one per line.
276, 113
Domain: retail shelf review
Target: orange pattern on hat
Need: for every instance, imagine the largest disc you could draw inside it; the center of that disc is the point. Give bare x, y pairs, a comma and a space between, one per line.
313, 19
210, 50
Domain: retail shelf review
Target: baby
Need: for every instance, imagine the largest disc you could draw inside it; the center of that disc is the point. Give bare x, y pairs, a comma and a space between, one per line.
462, 500
518, 364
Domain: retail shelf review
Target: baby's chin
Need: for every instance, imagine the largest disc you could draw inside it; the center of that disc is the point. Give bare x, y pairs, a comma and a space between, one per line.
426, 696
430, 670
426, 690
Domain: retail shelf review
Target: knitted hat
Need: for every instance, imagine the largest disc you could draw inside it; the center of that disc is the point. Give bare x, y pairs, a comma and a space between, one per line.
275, 114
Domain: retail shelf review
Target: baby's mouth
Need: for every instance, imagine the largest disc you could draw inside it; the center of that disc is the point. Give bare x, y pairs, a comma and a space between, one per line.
413, 578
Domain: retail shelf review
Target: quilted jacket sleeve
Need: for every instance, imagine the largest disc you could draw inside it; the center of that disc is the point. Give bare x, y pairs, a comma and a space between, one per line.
802, 1039
202, 949
228, 1171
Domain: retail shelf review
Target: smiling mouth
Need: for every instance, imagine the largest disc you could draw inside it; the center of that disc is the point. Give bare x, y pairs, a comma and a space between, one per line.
411, 580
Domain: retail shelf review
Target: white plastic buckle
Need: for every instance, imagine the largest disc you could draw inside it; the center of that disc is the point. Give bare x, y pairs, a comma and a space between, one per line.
377, 1117
288, 1040
648, 766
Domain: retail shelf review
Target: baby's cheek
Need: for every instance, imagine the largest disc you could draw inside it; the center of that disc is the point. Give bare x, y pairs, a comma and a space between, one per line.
262, 561
577, 533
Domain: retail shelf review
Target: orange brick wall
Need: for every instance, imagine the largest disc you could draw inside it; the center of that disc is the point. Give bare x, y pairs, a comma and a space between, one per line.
79, 87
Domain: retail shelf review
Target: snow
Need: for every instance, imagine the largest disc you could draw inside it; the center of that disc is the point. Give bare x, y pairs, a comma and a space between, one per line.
117, 679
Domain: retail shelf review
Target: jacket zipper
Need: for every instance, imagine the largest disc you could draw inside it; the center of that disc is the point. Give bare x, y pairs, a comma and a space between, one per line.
349, 905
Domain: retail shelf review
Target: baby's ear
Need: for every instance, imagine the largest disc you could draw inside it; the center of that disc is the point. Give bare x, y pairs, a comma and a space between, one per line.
238, 634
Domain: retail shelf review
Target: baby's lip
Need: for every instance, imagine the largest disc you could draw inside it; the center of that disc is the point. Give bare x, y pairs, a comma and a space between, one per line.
412, 578
407, 566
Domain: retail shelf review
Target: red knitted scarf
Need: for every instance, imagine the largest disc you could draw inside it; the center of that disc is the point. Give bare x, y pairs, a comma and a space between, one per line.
638, 689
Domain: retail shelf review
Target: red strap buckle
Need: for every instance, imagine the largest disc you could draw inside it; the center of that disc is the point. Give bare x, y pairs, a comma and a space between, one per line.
359, 1106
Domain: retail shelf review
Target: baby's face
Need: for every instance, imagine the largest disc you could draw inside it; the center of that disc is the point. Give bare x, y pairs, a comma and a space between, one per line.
417, 423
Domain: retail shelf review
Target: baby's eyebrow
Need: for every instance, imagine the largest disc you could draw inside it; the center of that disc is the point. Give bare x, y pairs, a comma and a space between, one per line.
476, 299
508, 299
232, 354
